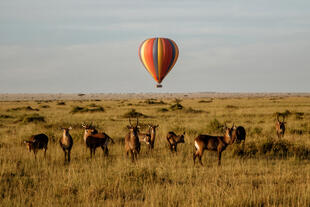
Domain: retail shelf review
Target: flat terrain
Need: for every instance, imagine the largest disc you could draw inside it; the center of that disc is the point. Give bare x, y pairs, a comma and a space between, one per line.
267, 172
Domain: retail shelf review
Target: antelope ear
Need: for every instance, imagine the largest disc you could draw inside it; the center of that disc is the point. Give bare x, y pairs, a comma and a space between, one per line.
70, 128
25, 141
157, 126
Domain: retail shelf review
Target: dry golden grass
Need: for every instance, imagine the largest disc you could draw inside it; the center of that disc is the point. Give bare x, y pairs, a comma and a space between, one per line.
159, 178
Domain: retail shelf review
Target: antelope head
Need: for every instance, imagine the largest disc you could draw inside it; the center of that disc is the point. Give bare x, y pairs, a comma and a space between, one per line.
29, 145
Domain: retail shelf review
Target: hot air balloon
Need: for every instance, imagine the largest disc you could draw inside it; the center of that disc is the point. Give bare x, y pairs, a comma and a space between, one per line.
158, 55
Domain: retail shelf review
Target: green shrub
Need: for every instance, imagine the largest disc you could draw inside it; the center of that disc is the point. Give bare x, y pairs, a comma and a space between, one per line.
79, 109
296, 131
257, 130
61, 103
153, 101
162, 110
27, 108
215, 126
32, 118
193, 111
231, 107
134, 113
45, 106
176, 106
4, 116
205, 101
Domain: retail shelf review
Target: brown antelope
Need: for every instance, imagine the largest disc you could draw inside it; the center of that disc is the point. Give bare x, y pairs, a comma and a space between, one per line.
213, 143
280, 126
132, 143
95, 139
144, 137
149, 138
94, 131
174, 140
66, 143
152, 132
36, 142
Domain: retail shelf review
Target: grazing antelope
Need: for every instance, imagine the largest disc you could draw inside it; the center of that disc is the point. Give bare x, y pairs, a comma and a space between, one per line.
213, 143
174, 140
94, 140
280, 126
152, 129
132, 143
36, 142
66, 143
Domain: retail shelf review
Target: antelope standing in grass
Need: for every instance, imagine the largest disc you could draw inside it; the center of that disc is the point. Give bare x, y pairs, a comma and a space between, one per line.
174, 140
280, 126
213, 143
36, 142
94, 130
149, 138
66, 143
152, 132
132, 143
95, 139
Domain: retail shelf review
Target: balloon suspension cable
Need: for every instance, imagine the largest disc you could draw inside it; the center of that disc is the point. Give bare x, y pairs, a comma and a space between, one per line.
159, 86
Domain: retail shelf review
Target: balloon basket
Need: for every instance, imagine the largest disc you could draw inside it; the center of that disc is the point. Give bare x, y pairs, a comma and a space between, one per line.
159, 86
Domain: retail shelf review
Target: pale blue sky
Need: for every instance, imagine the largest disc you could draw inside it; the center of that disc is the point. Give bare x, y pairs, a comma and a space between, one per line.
91, 46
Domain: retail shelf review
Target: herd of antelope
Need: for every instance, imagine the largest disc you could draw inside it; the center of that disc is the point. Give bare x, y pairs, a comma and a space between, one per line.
134, 137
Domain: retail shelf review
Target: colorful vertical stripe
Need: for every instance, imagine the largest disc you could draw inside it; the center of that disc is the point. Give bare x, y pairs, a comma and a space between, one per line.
158, 55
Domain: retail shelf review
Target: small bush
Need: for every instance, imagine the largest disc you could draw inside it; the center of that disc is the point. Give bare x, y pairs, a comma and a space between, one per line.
61, 103
162, 110
301, 152
4, 116
250, 150
257, 130
231, 107
96, 109
32, 118
79, 109
176, 106
205, 101
193, 111
299, 115
27, 108
286, 113
266, 146
215, 126
153, 101
134, 113
45, 106
296, 131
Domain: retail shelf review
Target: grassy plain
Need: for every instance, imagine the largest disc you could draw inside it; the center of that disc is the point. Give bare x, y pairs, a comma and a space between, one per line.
268, 172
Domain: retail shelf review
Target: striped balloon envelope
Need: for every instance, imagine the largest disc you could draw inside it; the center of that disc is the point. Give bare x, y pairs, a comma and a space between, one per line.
158, 55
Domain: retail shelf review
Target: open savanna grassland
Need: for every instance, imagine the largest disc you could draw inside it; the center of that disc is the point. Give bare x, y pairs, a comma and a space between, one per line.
268, 172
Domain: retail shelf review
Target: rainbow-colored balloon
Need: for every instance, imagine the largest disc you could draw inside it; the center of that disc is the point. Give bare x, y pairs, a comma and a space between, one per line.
158, 55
